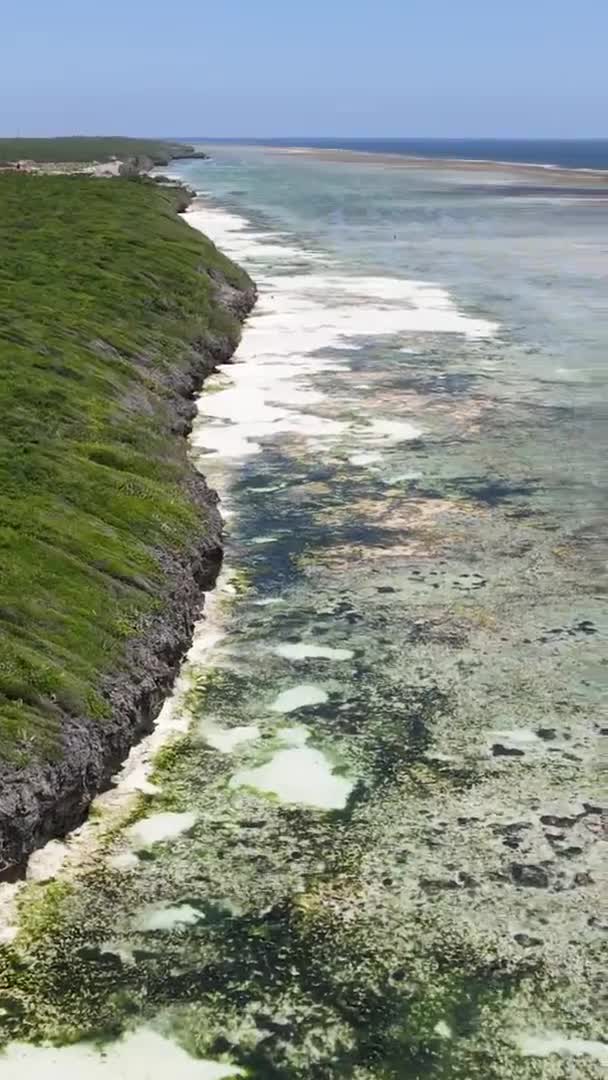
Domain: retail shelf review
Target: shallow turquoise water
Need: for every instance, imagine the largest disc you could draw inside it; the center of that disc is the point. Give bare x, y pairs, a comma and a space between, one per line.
372, 852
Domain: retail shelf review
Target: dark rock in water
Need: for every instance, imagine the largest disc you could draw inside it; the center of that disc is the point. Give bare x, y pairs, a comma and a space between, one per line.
191, 155
556, 822
511, 833
513, 827
499, 750
526, 941
467, 880
589, 808
437, 885
529, 875
583, 878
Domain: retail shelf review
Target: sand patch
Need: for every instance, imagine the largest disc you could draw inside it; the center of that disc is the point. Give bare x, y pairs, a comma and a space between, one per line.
226, 740
299, 774
160, 827
168, 918
141, 1055
299, 697
305, 650
545, 1043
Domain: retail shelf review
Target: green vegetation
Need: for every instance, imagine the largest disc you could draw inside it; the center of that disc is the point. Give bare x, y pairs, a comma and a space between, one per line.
106, 293
90, 148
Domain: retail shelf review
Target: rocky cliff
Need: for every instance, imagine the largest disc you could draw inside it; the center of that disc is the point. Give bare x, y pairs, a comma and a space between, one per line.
70, 710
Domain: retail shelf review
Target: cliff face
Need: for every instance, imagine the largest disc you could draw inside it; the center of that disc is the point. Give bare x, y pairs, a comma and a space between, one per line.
117, 564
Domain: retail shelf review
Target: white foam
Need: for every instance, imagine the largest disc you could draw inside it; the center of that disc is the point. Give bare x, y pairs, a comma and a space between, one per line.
45, 864
303, 650
516, 739
268, 601
298, 318
9, 930
543, 1044
392, 431
300, 775
141, 1055
160, 827
443, 1030
298, 697
366, 457
516, 735
398, 477
226, 740
124, 860
123, 952
298, 735
168, 918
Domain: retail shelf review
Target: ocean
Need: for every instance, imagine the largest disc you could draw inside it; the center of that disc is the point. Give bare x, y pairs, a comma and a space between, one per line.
371, 848
563, 153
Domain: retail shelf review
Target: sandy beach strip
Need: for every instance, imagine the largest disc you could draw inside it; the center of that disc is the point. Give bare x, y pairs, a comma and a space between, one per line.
549, 174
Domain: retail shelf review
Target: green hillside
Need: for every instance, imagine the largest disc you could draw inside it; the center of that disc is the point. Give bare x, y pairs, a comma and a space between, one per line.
79, 148
105, 291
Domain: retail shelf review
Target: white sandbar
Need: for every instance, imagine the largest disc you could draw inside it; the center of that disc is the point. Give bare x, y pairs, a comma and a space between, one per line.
304, 650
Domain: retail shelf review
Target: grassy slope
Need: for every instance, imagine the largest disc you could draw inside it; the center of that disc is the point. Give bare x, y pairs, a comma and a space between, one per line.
85, 148
102, 289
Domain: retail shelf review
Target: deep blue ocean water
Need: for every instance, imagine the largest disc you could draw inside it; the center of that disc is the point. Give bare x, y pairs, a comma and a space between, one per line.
568, 153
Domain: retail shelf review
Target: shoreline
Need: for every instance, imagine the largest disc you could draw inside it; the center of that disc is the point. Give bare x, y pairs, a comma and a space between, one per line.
555, 174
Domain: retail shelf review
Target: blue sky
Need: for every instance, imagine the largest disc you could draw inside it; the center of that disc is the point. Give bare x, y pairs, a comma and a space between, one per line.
297, 67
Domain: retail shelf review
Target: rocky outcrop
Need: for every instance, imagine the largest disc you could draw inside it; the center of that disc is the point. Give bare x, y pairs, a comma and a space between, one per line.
136, 166
193, 155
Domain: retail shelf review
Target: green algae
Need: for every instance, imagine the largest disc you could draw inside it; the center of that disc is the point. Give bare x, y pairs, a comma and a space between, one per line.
42, 910
241, 580
300, 962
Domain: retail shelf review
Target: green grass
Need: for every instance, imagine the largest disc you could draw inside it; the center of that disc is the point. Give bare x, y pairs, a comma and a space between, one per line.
89, 148
104, 291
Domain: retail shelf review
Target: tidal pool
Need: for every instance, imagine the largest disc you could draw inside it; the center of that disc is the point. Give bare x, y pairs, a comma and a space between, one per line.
299, 774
